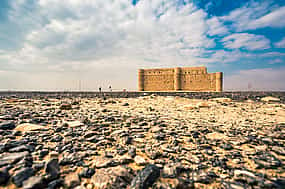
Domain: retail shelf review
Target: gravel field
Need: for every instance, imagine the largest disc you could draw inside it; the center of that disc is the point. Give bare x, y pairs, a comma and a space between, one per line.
147, 141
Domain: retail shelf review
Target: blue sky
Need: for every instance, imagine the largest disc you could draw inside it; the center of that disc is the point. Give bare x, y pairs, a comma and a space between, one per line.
55, 45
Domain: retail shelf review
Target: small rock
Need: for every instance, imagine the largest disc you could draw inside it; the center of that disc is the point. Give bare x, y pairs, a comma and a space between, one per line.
216, 136
28, 127
146, 177
57, 138
21, 175
72, 180
87, 172
65, 106
7, 125
34, 182
140, 160
43, 153
132, 152
221, 99
11, 158
104, 162
55, 184
114, 177
279, 150
38, 166
4, 176
90, 134
22, 148
270, 99
205, 177
52, 168
245, 177
74, 123
156, 129
267, 161
171, 171
226, 146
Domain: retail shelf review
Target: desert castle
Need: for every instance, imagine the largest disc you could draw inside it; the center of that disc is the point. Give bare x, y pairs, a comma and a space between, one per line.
179, 79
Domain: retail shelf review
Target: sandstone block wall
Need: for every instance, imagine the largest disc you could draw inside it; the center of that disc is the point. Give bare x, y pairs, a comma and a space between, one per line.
179, 79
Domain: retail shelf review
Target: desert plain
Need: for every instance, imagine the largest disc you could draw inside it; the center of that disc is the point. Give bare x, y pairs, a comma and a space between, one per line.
142, 142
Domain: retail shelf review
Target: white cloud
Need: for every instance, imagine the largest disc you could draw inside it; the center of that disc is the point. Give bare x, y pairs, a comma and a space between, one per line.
280, 44
246, 41
259, 79
276, 61
73, 36
272, 54
255, 15
272, 19
96, 30
216, 27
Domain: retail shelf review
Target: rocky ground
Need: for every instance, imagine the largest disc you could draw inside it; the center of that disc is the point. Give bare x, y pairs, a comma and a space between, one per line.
143, 142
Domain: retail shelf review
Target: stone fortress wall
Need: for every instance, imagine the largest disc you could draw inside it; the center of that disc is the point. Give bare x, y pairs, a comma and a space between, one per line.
179, 79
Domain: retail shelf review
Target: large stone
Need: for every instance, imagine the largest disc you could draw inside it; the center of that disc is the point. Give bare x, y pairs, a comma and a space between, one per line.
28, 127
105, 162
72, 180
4, 176
21, 175
35, 182
52, 168
22, 148
146, 177
270, 99
11, 158
114, 177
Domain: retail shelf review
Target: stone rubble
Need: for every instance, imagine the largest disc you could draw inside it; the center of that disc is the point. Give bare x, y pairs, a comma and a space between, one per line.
144, 142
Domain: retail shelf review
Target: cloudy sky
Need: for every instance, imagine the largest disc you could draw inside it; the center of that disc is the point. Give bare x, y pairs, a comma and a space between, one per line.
72, 44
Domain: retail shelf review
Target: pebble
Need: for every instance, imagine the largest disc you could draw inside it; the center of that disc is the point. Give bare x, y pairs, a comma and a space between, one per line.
4, 176
72, 180
146, 177
7, 125
87, 172
21, 175
11, 158
113, 177
52, 168
140, 160
34, 182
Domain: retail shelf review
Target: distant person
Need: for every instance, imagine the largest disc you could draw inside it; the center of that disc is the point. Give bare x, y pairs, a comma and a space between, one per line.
100, 89
110, 88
